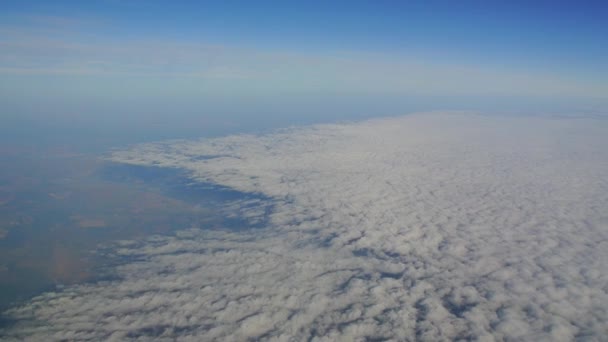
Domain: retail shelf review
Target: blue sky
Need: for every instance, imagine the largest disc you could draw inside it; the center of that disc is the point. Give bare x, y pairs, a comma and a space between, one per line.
534, 33
241, 59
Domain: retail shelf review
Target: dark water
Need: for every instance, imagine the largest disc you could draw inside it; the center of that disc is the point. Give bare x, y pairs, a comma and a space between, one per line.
177, 183
173, 182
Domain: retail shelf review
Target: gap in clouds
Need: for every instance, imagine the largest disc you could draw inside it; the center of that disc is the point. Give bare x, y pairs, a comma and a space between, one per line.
58, 205
236, 210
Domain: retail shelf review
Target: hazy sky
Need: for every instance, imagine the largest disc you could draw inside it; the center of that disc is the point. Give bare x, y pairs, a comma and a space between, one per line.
224, 63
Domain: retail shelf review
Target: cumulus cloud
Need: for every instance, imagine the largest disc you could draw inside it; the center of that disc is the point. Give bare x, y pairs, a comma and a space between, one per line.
439, 226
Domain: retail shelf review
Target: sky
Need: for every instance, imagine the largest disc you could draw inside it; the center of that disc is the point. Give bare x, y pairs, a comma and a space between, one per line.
172, 66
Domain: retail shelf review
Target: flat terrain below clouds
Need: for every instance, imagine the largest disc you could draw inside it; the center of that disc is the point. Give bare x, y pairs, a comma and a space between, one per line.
438, 226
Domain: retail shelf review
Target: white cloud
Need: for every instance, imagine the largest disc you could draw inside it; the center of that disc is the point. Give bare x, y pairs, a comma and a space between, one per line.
433, 227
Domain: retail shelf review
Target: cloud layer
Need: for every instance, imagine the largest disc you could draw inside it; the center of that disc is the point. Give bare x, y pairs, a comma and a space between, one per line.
439, 226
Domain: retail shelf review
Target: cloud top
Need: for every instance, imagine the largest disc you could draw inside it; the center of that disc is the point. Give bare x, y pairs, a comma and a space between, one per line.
438, 226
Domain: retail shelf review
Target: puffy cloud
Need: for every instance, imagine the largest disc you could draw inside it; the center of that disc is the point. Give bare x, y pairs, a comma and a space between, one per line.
438, 226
